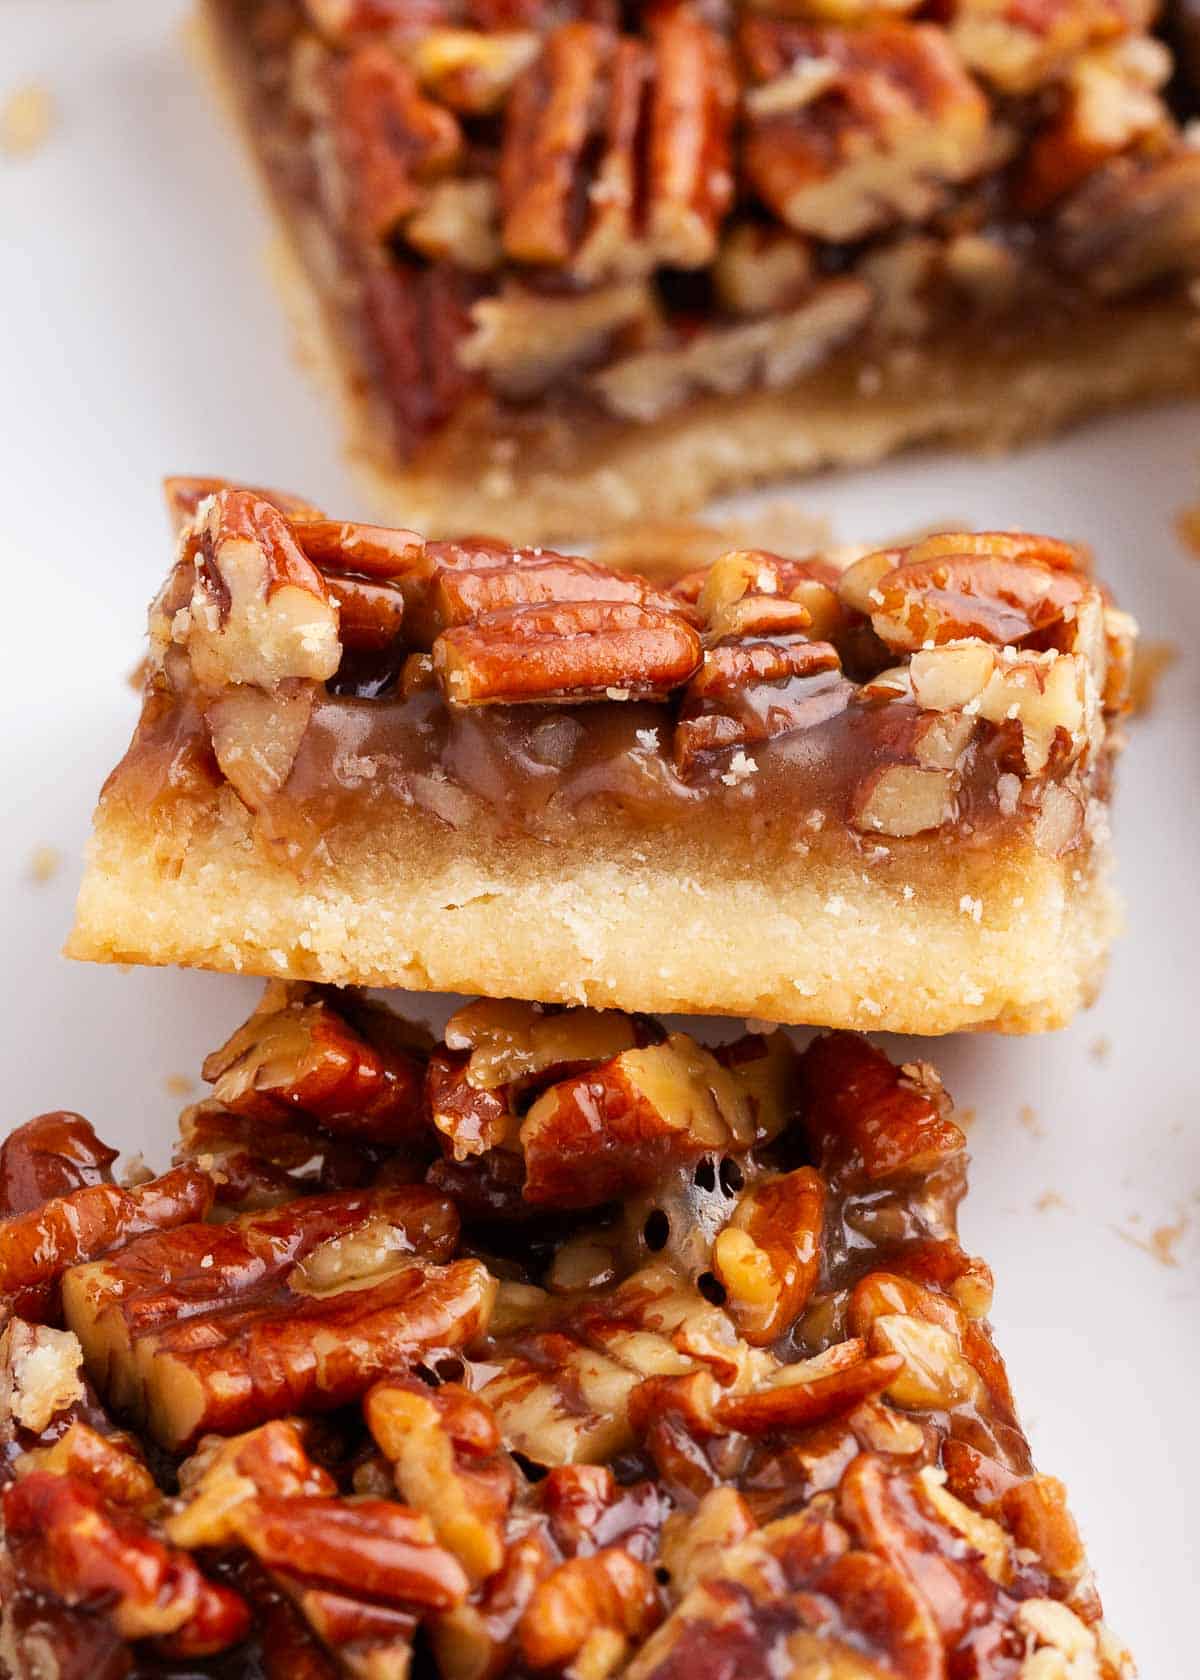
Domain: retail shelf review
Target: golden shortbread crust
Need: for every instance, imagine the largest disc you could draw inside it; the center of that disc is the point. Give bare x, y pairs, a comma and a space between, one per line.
1012, 940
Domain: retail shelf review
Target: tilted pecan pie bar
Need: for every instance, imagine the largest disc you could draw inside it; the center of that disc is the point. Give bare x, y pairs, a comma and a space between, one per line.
576, 262
568, 1347
863, 796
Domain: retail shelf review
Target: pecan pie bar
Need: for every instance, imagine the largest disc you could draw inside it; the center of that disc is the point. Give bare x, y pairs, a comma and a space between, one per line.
868, 794
574, 262
568, 1347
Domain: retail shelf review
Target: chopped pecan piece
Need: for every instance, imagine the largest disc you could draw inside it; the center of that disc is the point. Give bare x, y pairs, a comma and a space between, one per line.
111, 1464
581, 1618
258, 611
297, 1053
748, 692
894, 1121
892, 117
256, 735
769, 1255
390, 140
579, 650
72, 1544
1002, 587
40, 1375
472, 70
226, 1473
443, 1446
1022, 48
581, 188
620, 1125
258, 1166
774, 350
369, 1547
1109, 102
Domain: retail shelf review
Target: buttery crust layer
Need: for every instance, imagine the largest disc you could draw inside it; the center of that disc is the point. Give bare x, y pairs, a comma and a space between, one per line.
413, 907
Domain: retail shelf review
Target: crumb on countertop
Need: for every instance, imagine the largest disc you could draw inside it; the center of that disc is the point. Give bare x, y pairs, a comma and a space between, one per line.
1028, 1118
1050, 1199
1163, 1242
1188, 526
179, 1085
26, 118
1100, 1049
44, 864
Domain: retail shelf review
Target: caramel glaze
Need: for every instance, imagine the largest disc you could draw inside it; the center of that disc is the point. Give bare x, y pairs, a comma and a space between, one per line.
585, 775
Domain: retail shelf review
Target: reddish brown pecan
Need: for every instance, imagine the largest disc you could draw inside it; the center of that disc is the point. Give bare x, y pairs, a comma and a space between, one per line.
622, 1124
369, 1547
155, 1287
581, 650
1007, 588
299, 1054
390, 139
892, 1120
748, 692
589, 1609
110, 1464
38, 1246
72, 1544
1134, 221
852, 130
258, 1166
577, 188
415, 318
443, 1446
48, 1157
769, 1255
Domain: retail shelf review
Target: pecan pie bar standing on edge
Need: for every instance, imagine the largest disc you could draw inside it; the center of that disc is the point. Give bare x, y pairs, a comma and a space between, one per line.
571, 263
568, 1347
867, 796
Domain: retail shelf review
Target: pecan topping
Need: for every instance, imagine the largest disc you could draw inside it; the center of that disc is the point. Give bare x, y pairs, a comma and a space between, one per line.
745, 1410
581, 650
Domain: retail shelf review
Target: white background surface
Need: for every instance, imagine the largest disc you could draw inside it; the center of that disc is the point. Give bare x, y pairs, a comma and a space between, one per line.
139, 335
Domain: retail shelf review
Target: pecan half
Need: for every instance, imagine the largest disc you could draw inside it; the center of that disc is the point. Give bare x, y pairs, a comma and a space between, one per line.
37, 1247
580, 650
580, 188
390, 139
853, 130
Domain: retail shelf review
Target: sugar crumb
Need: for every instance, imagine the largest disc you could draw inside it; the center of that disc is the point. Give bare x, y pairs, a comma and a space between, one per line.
26, 118
972, 907
44, 864
740, 768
